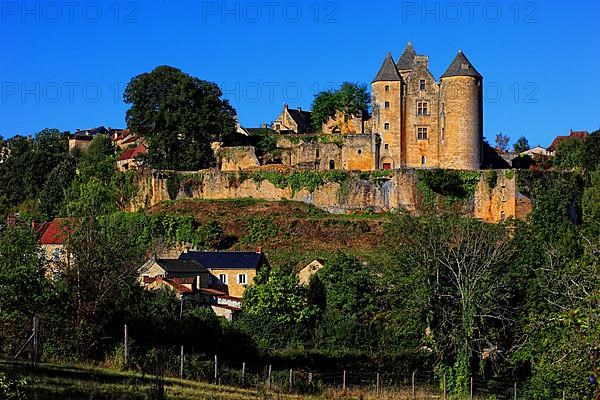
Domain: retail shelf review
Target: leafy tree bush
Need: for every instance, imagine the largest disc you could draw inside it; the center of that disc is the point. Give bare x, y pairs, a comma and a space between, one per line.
350, 98
521, 145
178, 116
569, 153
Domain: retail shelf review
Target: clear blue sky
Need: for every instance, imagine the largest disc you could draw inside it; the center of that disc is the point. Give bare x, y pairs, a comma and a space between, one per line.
65, 64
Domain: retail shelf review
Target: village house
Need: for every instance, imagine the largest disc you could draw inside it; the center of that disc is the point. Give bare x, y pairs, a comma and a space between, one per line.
128, 159
215, 279
53, 240
581, 135
293, 121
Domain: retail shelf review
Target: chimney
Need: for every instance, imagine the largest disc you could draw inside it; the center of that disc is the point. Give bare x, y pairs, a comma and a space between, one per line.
285, 107
299, 108
423, 60
264, 126
259, 250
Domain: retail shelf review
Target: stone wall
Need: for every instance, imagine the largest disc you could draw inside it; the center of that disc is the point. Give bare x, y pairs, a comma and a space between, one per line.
356, 193
237, 158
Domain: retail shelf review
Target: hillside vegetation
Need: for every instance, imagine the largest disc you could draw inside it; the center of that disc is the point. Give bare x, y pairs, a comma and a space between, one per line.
289, 232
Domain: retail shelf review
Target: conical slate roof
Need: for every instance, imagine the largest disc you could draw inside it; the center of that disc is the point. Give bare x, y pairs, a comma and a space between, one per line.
388, 71
461, 66
407, 58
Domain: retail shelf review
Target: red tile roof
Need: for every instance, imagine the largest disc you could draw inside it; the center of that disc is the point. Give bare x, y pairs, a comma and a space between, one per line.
40, 228
581, 135
212, 292
178, 286
57, 231
130, 154
132, 139
124, 133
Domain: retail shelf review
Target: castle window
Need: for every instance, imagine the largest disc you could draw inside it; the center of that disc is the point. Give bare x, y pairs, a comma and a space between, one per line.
502, 216
331, 164
422, 108
242, 279
443, 134
317, 153
422, 133
423, 160
387, 88
386, 126
387, 146
359, 151
387, 104
422, 84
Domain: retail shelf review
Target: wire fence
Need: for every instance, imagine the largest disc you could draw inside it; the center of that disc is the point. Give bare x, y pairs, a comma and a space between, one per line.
179, 362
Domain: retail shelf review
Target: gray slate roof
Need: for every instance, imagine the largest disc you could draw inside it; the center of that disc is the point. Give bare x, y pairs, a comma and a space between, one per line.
180, 266
225, 259
407, 59
461, 66
388, 71
302, 118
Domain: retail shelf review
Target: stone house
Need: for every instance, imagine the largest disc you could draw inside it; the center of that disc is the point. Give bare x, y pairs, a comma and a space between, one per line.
53, 240
293, 121
215, 279
127, 160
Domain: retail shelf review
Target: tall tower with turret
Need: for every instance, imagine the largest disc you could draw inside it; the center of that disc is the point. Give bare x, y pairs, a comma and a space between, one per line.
461, 115
387, 113
424, 123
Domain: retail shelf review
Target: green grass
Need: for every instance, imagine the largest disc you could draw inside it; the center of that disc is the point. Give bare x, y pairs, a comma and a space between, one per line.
75, 382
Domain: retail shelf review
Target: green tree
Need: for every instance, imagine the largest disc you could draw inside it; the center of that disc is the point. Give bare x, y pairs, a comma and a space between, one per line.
28, 163
563, 346
569, 154
350, 307
521, 145
591, 152
98, 161
57, 184
276, 309
23, 287
179, 116
502, 142
459, 269
350, 98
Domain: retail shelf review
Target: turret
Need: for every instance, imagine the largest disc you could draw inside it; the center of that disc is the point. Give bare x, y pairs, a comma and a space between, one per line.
387, 107
461, 115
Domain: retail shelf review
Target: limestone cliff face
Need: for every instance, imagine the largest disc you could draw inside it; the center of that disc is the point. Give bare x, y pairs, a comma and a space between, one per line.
398, 191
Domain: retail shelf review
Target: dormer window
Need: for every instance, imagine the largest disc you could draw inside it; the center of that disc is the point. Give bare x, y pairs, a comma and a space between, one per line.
422, 84
464, 66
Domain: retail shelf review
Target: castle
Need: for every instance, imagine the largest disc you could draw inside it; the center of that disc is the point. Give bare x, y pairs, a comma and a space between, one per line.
416, 122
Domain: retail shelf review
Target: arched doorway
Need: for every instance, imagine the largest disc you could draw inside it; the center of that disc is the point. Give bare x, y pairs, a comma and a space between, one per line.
387, 163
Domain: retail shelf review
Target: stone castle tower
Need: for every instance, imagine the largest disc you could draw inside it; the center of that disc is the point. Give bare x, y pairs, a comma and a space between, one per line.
423, 123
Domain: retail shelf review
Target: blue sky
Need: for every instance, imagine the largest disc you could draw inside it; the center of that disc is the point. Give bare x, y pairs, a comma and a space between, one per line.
65, 64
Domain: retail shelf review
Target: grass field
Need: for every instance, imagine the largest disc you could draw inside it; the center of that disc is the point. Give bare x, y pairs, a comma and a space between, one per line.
71, 382
48, 381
